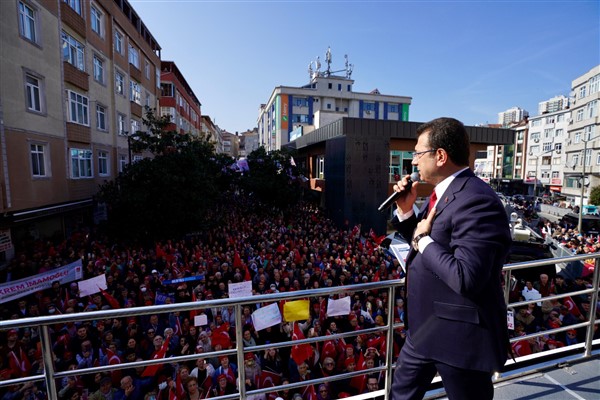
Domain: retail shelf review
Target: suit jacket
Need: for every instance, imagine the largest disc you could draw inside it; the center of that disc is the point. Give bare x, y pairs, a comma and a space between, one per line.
455, 305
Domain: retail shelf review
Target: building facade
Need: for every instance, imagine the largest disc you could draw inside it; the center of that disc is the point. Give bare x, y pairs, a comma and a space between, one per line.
177, 100
512, 115
75, 78
292, 112
582, 144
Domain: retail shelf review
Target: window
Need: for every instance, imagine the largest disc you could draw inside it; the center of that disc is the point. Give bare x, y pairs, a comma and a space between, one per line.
135, 92
558, 147
27, 22
547, 146
119, 40
591, 109
594, 84
598, 158
81, 163
122, 162
579, 115
369, 106
575, 159
103, 163
167, 90
582, 92
349, 88
329, 106
393, 108
168, 111
536, 122
560, 117
548, 133
320, 167
119, 83
73, 51
97, 18
148, 100
100, 117
550, 120
588, 132
558, 133
330, 85
33, 88
38, 160
134, 58
300, 102
137, 158
135, 125
75, 5
147, 69
157, 77
78, 108
577, 138
339, 87
98, 69
122, 124
588, 156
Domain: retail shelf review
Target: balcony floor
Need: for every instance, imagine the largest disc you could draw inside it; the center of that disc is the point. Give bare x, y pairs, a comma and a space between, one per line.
578, 380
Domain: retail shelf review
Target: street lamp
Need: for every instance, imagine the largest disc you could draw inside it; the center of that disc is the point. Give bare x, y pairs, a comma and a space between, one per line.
585, 142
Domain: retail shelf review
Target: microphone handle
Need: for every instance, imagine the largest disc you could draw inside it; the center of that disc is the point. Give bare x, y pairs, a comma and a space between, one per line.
395, 196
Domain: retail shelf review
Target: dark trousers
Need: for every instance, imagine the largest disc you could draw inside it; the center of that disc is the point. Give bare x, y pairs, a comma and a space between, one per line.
414, 373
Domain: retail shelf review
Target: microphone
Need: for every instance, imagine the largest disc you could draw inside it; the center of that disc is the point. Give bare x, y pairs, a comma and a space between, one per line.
414, 177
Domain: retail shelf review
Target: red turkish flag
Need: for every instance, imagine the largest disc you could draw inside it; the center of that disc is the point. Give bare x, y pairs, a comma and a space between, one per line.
152, 370
573, 309
110, 299
300, 352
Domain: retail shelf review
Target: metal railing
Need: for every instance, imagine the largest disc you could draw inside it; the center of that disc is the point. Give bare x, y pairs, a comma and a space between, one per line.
51, 375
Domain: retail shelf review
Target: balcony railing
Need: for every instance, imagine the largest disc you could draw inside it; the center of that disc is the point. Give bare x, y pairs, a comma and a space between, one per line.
51, 375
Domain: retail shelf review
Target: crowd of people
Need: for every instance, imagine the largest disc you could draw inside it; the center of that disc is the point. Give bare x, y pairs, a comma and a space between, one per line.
552, 314
278, 251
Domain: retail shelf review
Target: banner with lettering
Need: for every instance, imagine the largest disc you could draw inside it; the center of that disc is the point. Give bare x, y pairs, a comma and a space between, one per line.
13, 290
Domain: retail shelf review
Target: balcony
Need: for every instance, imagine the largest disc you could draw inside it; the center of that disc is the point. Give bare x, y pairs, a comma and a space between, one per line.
565, 372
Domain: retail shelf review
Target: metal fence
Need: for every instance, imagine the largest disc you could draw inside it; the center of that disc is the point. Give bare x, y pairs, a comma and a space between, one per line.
51, 375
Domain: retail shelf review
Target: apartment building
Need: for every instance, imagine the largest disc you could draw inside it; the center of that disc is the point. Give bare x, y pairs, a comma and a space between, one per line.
582, 144
75, 77
292, 112
512, 115
177, 99
545, 156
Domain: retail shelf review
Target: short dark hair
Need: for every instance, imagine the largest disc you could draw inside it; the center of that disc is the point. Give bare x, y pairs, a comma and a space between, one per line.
448, 134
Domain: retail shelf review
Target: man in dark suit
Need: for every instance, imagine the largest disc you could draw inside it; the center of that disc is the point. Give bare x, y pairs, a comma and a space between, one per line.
456, 313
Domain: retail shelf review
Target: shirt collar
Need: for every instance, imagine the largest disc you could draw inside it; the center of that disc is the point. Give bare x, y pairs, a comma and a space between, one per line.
441, 187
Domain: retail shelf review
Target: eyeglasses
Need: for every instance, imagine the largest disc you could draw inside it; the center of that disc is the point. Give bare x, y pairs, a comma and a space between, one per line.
417, 154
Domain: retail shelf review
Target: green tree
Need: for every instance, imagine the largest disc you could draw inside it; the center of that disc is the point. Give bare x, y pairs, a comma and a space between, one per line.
595, 196
166, 196
272, 178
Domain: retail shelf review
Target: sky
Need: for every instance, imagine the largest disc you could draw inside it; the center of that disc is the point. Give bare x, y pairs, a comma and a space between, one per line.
464, 59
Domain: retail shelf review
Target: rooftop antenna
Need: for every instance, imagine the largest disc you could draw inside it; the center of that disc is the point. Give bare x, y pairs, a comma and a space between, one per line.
328, 61
349, 67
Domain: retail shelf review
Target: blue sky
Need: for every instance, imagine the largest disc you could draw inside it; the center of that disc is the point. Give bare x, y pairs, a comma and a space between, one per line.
465, 59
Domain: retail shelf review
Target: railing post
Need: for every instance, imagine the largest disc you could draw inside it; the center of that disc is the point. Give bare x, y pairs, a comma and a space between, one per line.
389, 351
239, 339
593, 307
48, 362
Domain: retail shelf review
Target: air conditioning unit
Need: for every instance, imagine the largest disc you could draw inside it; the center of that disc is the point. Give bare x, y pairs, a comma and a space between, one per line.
368, 112
570, 121
536, 140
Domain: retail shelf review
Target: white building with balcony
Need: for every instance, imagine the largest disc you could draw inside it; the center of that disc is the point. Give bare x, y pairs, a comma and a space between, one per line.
292, 112
582, 145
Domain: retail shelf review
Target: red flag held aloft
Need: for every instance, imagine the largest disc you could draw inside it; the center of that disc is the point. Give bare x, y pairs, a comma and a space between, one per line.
300, 352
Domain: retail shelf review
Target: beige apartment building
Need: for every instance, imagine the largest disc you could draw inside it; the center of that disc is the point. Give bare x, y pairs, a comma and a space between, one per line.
75, 77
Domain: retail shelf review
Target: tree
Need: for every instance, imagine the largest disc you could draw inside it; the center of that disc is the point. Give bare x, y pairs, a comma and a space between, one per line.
272, 178
168, 195
595, 196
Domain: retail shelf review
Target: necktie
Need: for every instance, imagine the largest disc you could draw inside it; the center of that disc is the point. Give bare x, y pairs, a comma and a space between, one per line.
432, 200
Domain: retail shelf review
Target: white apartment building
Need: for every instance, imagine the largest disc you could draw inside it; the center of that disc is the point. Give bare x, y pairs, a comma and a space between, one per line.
582, 144
292, 112
545, 155
512, 115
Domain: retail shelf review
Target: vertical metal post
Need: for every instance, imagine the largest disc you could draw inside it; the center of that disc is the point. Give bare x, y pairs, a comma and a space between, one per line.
593, 307
239, 339
48, 362
389, 344
585, 142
